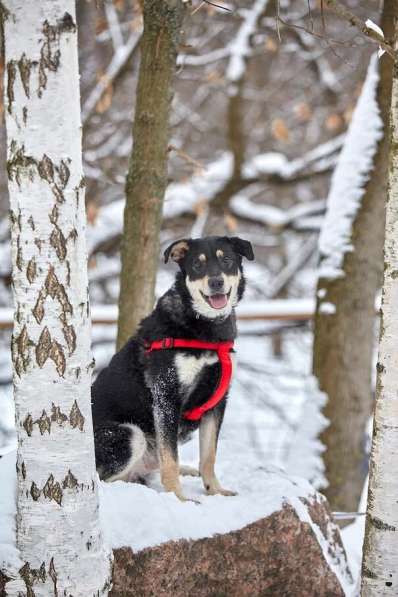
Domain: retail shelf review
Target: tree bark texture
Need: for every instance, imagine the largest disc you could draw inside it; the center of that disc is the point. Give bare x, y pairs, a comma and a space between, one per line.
58, 534
380, 561
147, 176
343, 341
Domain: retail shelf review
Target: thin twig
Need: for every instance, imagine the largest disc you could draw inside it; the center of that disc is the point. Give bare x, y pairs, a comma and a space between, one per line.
343, 12
217, 5
310, 15
186, 157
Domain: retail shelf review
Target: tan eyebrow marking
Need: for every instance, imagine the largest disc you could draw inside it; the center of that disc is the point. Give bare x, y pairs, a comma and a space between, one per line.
202, 257
219, 253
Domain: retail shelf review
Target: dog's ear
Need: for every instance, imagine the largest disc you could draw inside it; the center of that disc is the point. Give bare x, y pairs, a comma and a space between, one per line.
242, 247
177, 250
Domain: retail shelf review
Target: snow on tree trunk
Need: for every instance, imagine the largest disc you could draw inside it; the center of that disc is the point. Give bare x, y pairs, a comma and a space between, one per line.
58, 534
147, 176
349, 276
380, 561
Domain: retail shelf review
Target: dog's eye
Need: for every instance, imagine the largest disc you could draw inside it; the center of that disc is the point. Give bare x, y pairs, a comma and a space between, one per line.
197, 265
227, 261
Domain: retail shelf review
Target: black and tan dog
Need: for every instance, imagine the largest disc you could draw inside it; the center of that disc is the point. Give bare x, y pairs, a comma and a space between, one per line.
153, 394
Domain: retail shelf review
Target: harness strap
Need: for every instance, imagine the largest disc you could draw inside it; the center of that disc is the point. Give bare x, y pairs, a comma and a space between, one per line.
223, 349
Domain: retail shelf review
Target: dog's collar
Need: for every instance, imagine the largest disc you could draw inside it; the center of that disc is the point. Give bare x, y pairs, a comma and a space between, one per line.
222, 348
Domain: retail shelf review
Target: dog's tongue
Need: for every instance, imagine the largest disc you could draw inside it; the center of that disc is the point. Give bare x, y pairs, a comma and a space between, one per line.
218, 301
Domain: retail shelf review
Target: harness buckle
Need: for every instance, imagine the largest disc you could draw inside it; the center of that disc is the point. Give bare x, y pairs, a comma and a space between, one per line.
167, 342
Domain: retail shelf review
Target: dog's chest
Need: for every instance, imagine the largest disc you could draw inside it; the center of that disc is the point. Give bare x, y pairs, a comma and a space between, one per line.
189, 367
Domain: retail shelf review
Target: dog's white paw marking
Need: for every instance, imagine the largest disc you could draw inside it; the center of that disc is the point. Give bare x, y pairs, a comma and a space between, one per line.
183, 498
189, 471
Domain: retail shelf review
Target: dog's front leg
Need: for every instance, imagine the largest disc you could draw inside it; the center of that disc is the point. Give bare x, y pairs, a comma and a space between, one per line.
166, 426
208, 436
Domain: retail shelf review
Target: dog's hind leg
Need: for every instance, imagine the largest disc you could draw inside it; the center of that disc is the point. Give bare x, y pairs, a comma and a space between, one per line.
119, 449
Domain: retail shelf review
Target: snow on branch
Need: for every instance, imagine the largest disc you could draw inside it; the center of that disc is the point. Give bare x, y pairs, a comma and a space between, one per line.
350, 176
240, 47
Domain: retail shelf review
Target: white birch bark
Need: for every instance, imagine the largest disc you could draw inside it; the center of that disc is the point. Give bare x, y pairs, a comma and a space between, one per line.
380, 561
58, 533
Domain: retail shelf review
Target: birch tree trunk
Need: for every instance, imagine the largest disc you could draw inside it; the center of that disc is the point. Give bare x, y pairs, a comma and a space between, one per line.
343, 371
58, 533
147, 176
380, 561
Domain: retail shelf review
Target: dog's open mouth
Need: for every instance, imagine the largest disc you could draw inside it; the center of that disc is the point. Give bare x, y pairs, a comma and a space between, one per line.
217, 301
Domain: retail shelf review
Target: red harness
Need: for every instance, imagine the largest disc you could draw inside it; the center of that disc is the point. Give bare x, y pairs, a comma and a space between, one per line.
223, 349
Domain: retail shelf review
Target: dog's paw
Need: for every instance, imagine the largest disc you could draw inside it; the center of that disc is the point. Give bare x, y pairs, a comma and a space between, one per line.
183, 498
219, 491
189, 471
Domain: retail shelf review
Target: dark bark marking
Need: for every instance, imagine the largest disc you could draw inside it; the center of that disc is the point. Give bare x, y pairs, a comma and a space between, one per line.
52, 288
19, 258
23, 470
31, 575
11, 74
38, 243
57, 355
28, 425
70, 481
57, 415
54, 215
49, 56
31, 270
45, 169
70, 336
73, 235
44, 423
25, 114
53, 575
67, 273
43, 347
57, 291
63, 173
379, 524
20, 351
24, 66
18, 163
368, 573
35, 491
76, 418
52, 490
58, 242
48, 348
31, 222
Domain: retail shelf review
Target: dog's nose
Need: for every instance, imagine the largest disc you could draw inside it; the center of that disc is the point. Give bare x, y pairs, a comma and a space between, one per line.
216, 283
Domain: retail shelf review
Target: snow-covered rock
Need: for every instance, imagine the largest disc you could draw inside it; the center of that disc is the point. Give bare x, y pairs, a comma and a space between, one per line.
296, 550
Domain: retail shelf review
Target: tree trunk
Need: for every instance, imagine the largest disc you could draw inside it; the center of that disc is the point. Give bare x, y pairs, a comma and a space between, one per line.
343, 342
147, 176
380, 563
58, 533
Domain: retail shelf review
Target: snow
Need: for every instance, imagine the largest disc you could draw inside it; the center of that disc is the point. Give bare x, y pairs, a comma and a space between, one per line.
158, 517
240, 47
327, 308
353, 535
349, 178
272, 216
371, 25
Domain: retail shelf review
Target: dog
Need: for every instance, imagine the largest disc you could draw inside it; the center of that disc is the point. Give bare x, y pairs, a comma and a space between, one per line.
154, 393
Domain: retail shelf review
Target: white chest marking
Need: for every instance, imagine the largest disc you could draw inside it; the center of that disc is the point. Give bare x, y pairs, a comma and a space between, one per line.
189, 367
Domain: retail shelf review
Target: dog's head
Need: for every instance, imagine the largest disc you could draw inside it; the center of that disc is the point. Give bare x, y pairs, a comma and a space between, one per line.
212, 270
